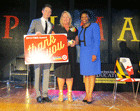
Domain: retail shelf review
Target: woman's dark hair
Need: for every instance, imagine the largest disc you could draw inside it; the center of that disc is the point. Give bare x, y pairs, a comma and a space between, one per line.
85, 12
47, 5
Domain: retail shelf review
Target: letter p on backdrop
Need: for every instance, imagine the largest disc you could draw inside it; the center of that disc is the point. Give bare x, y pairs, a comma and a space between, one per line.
7, 25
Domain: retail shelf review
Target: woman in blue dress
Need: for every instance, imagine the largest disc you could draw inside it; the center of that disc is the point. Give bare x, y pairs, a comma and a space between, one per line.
90, 65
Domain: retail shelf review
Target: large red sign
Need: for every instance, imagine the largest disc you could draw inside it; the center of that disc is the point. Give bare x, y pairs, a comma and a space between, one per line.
41, 49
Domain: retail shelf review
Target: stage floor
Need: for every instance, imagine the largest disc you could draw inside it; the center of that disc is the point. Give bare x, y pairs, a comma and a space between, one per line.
23, 99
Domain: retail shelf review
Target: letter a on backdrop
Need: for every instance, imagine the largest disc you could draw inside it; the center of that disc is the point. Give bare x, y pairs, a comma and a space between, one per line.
130, 28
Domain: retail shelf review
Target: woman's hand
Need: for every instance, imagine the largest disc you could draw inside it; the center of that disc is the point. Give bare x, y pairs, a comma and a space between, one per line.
73, 43
68, 44
94, 58
76, 40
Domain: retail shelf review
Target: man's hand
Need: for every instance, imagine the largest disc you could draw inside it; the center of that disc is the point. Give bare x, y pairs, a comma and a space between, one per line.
38, 33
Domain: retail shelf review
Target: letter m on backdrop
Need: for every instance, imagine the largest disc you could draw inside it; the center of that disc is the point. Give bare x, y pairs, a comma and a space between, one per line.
7, 25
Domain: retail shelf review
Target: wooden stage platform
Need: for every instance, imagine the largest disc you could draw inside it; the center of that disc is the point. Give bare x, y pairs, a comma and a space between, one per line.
23, 99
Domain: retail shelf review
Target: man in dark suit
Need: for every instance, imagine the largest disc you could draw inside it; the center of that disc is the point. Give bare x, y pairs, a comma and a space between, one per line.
38, 27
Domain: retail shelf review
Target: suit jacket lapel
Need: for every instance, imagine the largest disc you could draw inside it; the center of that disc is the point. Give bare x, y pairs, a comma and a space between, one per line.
43, 32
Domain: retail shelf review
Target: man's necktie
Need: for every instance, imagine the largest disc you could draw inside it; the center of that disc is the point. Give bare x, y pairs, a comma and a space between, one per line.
46, 27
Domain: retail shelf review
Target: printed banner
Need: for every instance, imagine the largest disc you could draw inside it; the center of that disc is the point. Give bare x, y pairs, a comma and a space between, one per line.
108, 77
50, 48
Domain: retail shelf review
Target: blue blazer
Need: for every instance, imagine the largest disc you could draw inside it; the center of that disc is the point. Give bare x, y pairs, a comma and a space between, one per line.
91, 37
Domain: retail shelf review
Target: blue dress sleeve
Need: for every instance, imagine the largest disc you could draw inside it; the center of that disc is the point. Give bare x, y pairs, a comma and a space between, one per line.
96, 39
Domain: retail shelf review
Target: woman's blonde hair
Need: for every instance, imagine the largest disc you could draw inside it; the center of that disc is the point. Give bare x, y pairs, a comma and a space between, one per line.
61, 23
